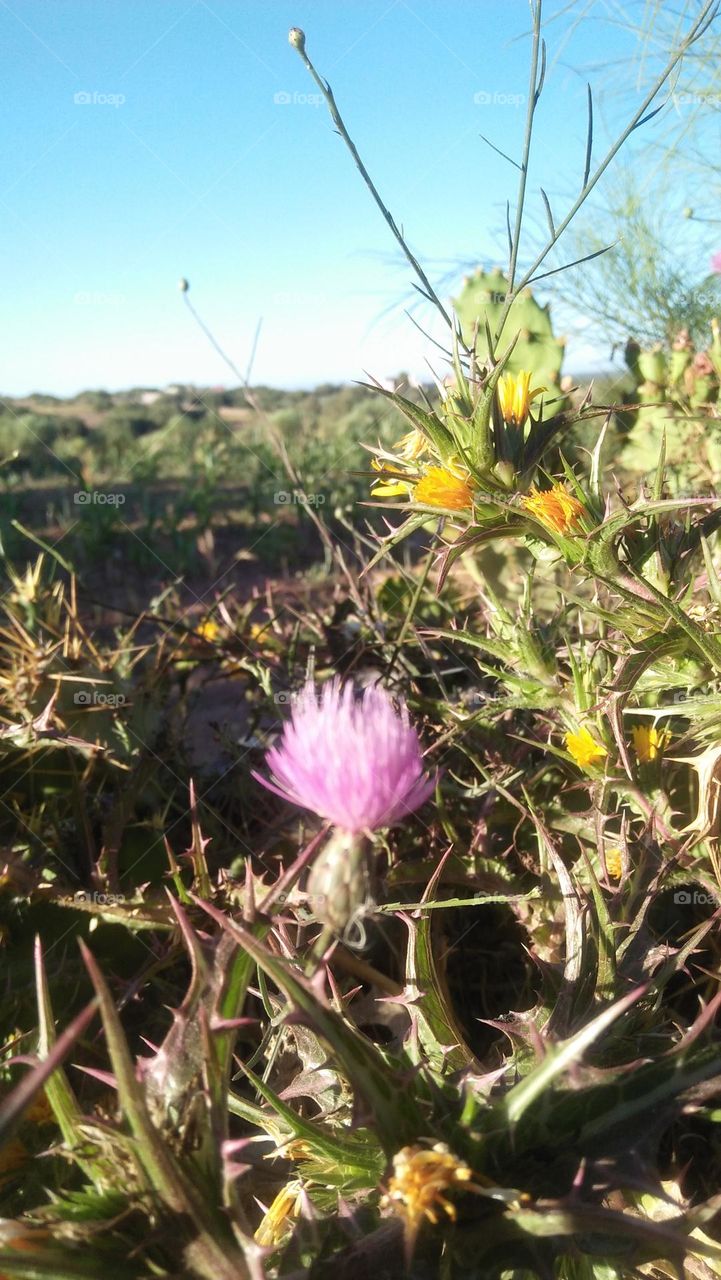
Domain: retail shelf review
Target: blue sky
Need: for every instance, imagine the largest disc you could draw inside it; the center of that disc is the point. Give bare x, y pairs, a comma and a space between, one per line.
179, 159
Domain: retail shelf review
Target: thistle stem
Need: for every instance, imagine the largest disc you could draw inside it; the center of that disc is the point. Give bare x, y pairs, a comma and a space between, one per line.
388, 216
411, 610
533, 92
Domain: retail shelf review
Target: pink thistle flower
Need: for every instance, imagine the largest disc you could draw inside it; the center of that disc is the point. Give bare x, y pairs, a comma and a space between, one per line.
716, 262
354, 761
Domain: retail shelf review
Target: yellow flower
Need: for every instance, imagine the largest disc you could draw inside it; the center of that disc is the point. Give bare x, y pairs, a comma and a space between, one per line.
442, 488
556, 508
515, 396
277, 1221
208, 630
614, 863
412, 446
649, 742
421, 1177
583, 747
385, 487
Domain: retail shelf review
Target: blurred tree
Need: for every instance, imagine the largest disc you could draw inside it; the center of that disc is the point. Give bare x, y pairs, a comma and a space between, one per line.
663, 214
655, 280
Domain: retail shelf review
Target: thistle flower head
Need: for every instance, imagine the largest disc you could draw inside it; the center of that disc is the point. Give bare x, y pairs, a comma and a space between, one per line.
702, 364
208, 630
515, 396
279, 1218
417, 1189
412, 445
649, 742
440, 487
555, 507
614, 863
584, 748
355, 761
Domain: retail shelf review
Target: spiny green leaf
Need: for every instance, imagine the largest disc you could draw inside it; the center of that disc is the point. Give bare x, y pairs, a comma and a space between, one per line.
13, 1107
391, 1101
209, 1240
65, 1106
349, 1151
558, 1060
439, 1033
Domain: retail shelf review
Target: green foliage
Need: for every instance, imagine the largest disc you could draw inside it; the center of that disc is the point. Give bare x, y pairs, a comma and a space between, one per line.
34, 443
177, 464
654, 281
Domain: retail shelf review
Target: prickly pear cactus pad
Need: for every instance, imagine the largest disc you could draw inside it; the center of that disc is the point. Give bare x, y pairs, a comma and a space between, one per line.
677, 391
537, 349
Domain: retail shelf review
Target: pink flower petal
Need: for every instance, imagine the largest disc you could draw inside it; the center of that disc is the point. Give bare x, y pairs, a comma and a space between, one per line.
354, 760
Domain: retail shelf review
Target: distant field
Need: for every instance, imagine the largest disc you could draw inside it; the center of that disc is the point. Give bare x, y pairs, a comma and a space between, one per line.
190, 481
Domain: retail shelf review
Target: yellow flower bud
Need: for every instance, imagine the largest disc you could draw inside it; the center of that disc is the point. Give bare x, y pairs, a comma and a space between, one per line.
515, 396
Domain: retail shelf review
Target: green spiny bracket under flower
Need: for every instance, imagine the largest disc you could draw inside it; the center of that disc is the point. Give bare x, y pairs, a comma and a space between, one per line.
483, 440
340, 885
